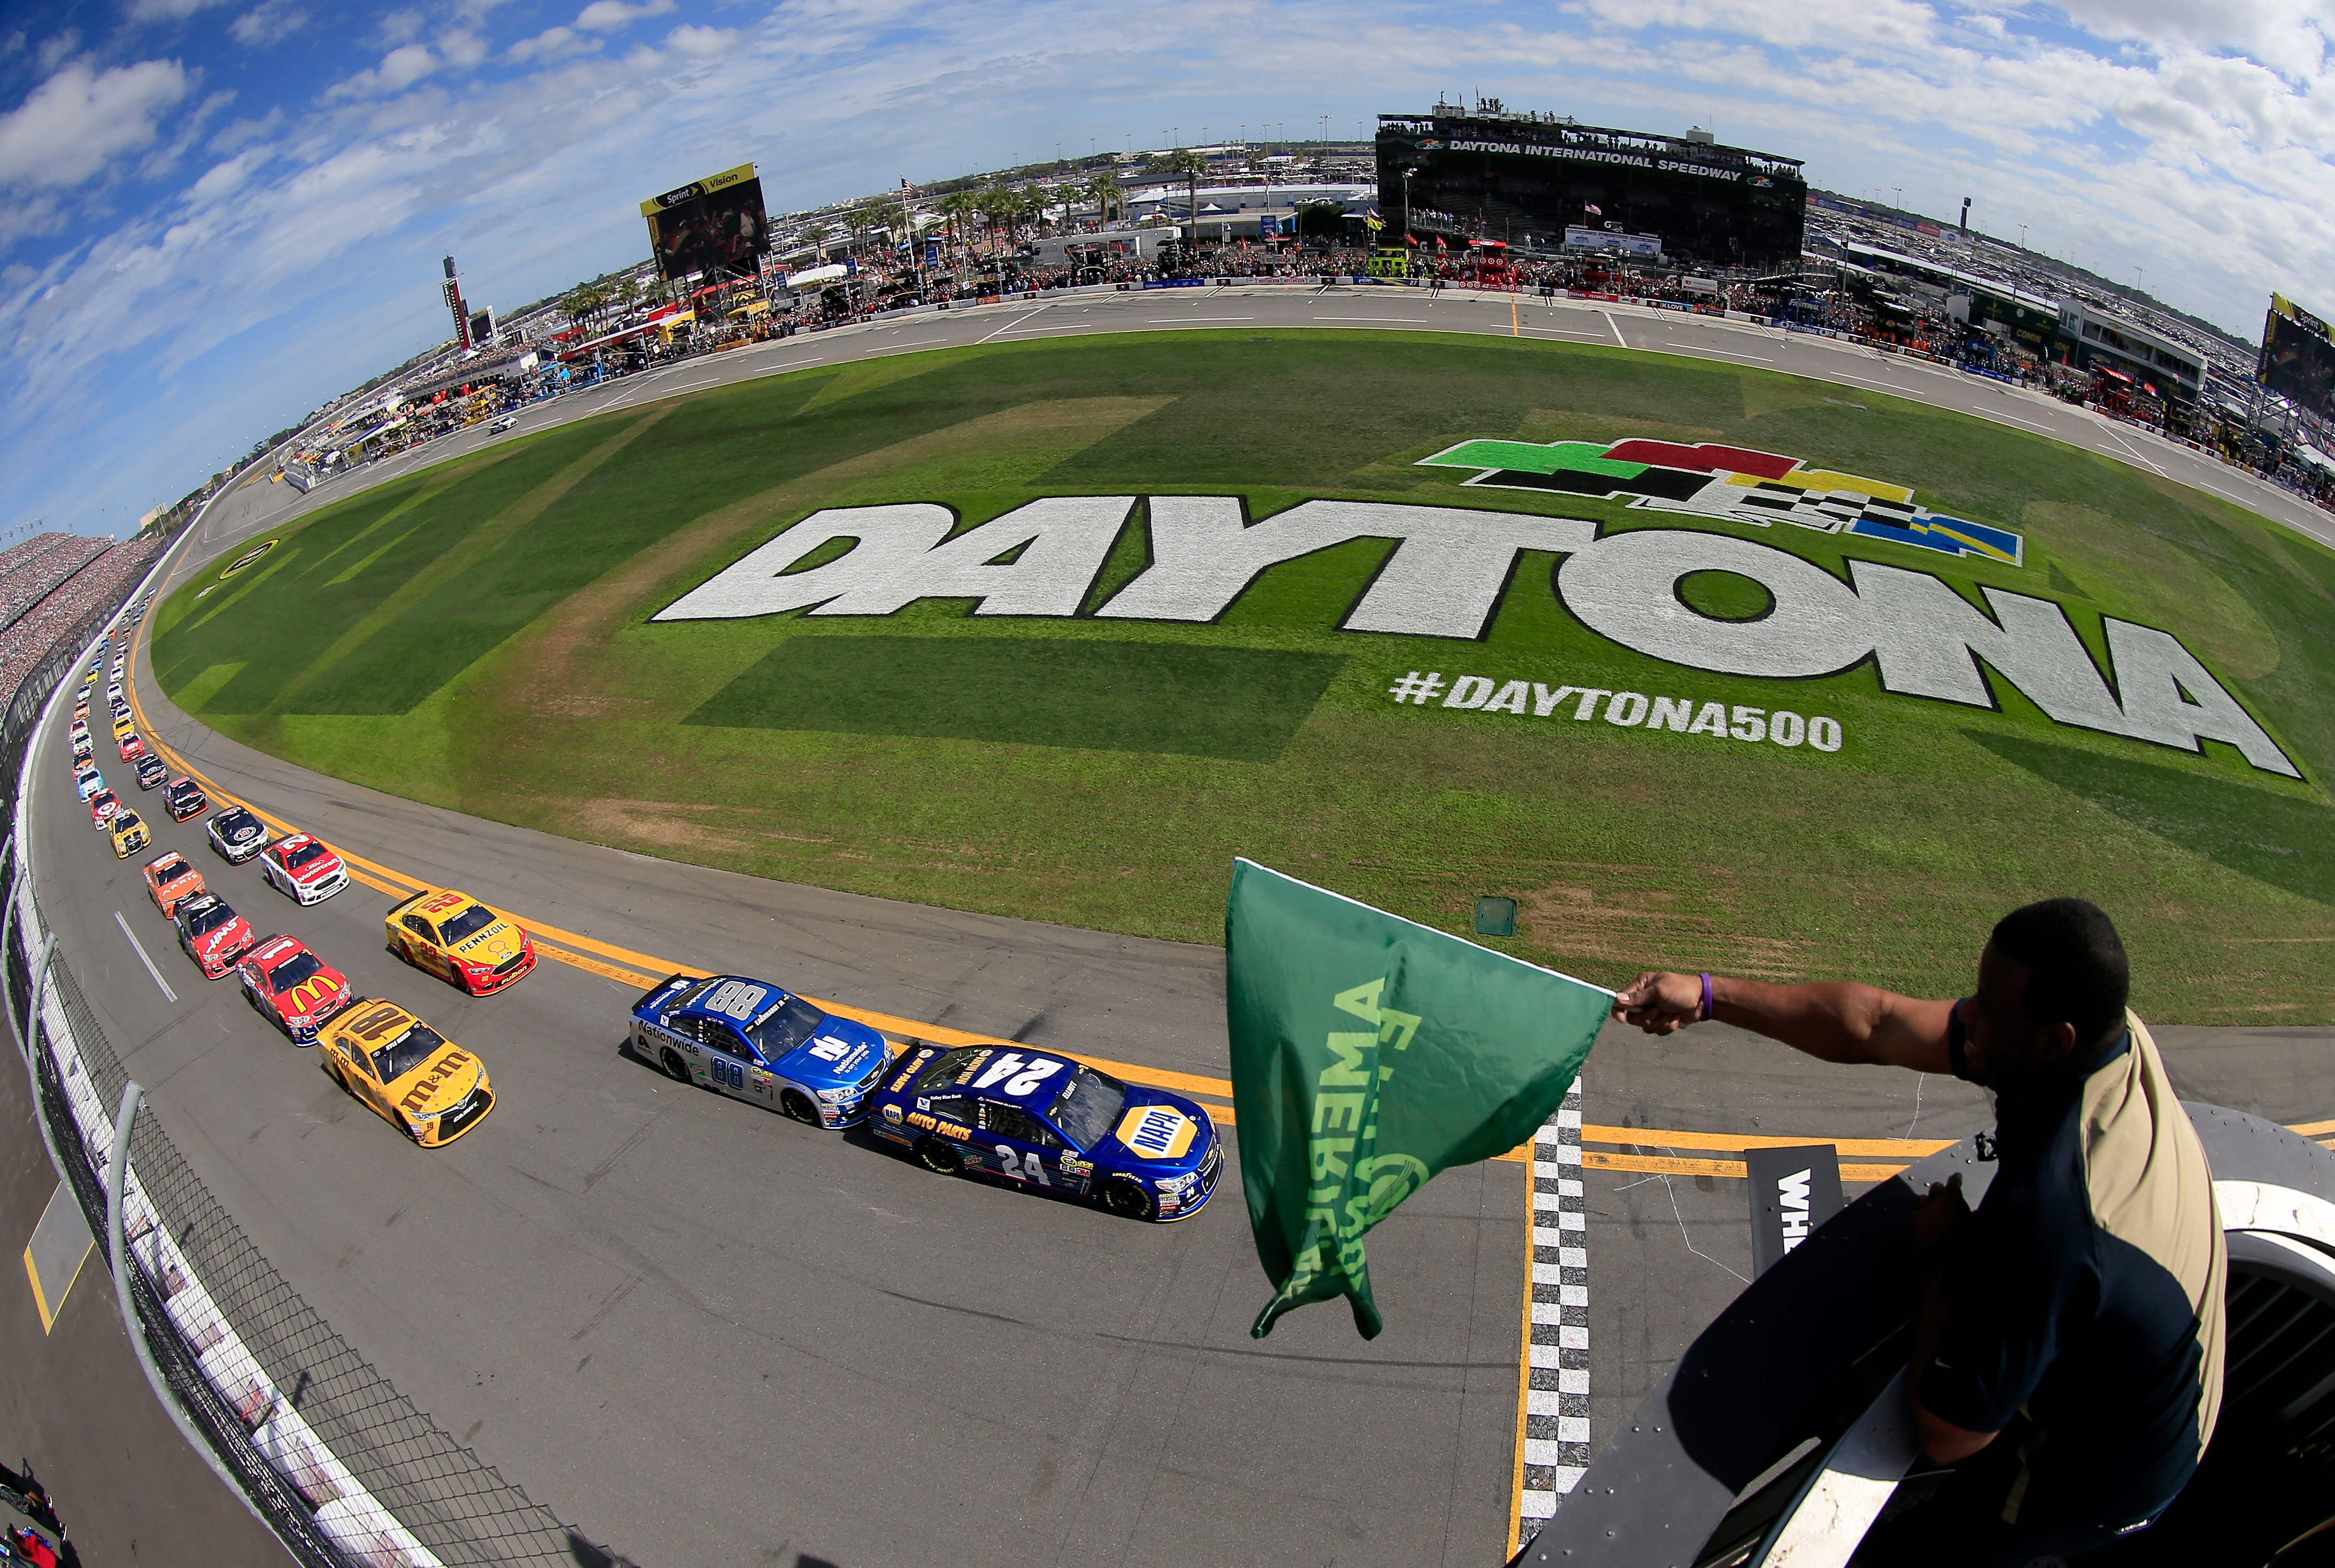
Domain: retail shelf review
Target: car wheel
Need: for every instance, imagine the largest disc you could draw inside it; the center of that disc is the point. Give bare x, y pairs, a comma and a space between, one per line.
935, 1156
674, 1067
1126, 1200
798, 1105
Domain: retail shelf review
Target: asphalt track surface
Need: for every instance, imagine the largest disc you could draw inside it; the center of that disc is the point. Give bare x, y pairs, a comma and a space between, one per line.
700, 1333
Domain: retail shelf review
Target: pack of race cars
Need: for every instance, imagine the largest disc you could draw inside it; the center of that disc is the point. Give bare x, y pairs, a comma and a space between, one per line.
1027, 1117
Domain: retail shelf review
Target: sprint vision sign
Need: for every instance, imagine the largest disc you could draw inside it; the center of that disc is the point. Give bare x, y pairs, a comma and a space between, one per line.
1451, 566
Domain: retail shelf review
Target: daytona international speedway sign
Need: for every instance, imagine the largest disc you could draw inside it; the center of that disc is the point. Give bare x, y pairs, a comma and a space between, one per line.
1451, 564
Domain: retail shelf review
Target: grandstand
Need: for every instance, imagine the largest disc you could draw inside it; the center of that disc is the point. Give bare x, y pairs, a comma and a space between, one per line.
53, 585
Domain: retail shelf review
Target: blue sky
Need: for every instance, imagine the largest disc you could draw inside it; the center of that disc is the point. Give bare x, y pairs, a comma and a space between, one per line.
217, 214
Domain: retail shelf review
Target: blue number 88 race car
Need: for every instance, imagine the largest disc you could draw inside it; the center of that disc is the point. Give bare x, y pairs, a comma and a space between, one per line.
1045, 1121
753, 1041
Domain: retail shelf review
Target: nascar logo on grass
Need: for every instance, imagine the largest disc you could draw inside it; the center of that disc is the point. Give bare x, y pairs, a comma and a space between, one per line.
1451, 566
1736, 484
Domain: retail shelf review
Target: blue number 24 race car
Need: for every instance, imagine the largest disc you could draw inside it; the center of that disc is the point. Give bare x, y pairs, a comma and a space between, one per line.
1044, 1121
752, 1041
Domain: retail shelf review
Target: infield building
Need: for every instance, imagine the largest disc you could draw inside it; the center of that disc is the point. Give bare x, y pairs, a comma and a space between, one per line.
1534, 179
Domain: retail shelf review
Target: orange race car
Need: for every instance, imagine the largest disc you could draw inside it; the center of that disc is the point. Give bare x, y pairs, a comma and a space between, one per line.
172, 879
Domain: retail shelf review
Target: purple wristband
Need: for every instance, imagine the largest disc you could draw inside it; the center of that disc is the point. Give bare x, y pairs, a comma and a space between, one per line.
1704, 1017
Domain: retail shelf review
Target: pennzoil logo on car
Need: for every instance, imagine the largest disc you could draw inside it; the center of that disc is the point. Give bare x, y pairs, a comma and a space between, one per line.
1157, 1131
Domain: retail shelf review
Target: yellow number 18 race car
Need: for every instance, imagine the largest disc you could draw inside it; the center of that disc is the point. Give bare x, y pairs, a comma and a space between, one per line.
418, 1080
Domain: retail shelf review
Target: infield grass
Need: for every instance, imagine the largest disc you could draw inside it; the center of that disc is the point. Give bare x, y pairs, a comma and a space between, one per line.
476, 636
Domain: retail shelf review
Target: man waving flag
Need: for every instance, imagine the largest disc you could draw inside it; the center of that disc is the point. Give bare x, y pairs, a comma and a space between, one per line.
1367, 1053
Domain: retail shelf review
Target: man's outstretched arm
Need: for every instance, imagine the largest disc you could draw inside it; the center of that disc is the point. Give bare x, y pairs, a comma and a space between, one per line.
1832, 1021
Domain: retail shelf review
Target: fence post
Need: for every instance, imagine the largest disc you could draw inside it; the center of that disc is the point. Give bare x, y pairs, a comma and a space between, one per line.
116, 1171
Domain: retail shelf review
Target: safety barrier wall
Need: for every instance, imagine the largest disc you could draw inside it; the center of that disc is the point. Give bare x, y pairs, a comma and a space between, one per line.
340, 1465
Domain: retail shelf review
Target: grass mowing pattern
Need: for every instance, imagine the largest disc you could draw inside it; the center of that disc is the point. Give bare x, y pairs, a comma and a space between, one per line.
476, 636
1243, 704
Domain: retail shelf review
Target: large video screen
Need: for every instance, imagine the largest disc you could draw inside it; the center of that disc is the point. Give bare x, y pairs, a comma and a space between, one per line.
2298, 358
714, 226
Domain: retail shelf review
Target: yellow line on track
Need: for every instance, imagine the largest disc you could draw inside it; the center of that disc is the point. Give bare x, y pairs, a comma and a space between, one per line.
627, 967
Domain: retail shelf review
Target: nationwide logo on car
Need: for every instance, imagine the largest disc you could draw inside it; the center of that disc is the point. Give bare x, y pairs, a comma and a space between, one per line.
1157, 1131
1734, 484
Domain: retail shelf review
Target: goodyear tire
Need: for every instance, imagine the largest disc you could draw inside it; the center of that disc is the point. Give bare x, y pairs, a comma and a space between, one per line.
798, 1105
935, 1156
674, 1067
1126, 1200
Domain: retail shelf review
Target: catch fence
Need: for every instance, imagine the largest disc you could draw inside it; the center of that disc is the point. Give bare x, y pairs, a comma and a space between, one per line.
345, 1469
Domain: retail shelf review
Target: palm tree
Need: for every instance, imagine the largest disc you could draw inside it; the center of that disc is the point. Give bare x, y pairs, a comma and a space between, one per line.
956, 208
1189, 166
1104, 189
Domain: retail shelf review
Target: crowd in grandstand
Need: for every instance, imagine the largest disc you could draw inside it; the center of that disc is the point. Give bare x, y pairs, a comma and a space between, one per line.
53, 585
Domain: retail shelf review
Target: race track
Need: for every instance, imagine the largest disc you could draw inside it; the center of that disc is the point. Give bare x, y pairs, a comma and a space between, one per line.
700, 1333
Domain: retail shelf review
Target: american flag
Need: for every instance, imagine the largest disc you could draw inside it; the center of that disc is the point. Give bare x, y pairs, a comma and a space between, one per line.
1586, 207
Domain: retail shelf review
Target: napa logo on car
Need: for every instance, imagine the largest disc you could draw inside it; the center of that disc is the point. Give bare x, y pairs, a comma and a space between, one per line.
245, 559
1158, 1131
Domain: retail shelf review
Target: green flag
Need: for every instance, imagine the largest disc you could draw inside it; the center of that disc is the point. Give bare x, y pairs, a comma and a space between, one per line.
1369, 1053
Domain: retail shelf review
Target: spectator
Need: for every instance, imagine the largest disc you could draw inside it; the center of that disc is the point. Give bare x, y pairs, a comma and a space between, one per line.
2067, 1351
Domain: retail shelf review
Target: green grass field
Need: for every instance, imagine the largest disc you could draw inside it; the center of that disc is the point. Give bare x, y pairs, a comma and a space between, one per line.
478, 636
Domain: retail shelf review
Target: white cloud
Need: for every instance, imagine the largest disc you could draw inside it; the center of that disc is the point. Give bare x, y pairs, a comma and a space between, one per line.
553, 43
398, 69
77, 122
269, 22
54, 51
463, 49
401, 28
608, 15
702, 42
168, 10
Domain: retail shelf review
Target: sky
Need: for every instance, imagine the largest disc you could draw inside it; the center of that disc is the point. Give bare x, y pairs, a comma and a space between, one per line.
215, 214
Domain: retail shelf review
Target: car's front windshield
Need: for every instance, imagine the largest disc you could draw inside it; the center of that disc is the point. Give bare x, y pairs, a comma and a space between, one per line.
169, 871
1088, 1106
239, 824
292, 971
467, 924
302, 855
123, 821
208, 918
785, 1027
406, 1052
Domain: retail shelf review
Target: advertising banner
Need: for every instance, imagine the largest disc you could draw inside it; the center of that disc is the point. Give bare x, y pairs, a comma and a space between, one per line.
715, 226
2298, 357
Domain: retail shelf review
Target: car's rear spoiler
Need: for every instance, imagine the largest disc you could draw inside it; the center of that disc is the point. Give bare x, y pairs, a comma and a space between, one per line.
415, 898
662, 986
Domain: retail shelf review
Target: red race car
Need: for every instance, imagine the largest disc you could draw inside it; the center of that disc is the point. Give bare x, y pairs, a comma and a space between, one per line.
303, 867
213, 934
171, 879
132, 747
291, 988
102, 807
